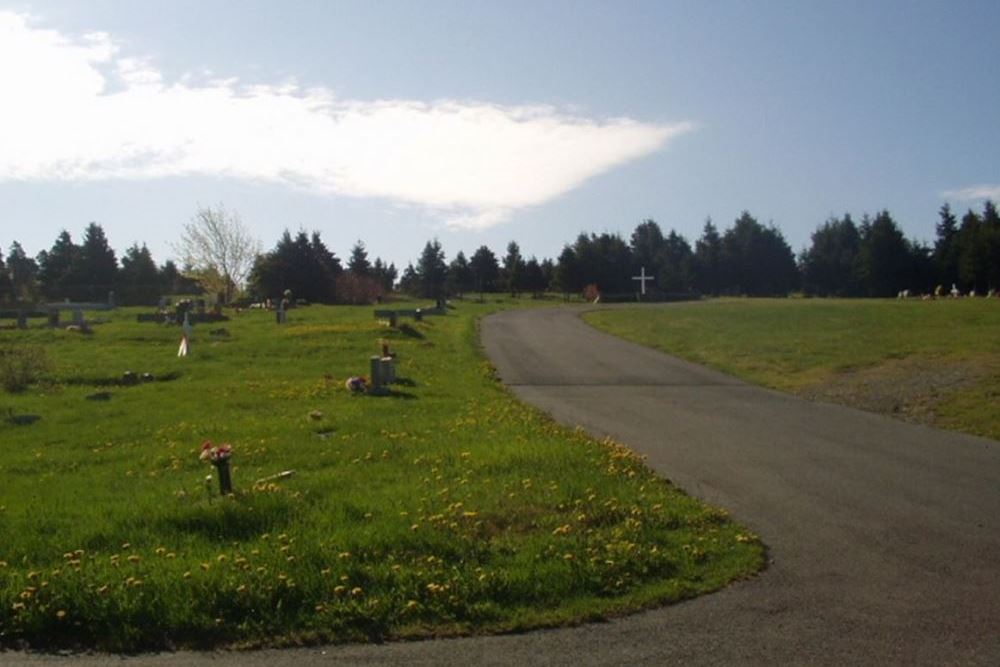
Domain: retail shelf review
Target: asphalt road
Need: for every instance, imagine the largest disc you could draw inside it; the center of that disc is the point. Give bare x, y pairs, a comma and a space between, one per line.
884, 537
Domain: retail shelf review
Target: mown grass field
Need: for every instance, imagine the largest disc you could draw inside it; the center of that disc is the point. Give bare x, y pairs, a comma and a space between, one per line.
936, 362
447, 507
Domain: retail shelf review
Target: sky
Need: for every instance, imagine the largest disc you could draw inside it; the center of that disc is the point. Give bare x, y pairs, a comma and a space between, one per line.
485, 122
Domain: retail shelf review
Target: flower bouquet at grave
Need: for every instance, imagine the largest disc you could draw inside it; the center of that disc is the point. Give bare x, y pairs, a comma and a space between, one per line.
219, 457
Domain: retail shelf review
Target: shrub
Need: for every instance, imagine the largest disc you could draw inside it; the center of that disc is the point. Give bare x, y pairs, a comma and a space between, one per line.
21, 365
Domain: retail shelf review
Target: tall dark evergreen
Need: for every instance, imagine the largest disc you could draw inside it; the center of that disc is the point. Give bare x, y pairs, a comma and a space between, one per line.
56, 266
139, 279
830, 265
6, 287
513, 269
534, 277
485, 270
707, 265
460, 275
96, 268
385, 275
432, 272
991, 238
647, 245
358, 263
567, 272
973, 254
756, 260
676, 264
301, 264
23, 272
884, 260
604, 260
946, 248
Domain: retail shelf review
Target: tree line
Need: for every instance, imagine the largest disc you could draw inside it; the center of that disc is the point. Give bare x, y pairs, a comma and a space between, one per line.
871, 257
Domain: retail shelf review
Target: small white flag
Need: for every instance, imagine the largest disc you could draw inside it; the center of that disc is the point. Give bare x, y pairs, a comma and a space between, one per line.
183, 351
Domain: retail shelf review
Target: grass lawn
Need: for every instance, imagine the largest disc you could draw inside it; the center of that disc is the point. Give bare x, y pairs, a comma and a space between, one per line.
447, 507
935, 362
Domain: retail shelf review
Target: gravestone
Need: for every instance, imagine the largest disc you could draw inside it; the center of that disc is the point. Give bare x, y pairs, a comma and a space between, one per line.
22, 319
78, 317
54, 318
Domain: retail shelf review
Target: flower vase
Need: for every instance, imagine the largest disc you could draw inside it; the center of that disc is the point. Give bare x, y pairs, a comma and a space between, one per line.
225, 479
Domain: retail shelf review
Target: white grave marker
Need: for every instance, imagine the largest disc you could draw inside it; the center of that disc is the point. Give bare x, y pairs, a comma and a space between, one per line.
642, 280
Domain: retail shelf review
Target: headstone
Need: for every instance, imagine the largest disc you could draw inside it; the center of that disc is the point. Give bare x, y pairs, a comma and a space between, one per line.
162, 303
418, 315
22, 319
78, 317
111, 299
388, 370
54, 318
377, 378
281, 315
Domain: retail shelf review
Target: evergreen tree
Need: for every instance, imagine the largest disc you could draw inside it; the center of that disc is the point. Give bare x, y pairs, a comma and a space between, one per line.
534, 278
991, 234
676, 273
707, 263
55, 267
485, 270
97, 266
6, 286
946, 250
756, 260
384, 274
566, 277
973, 254
647, 245
23, 273
605, 261
432, 272
829, 267
884, 257
358, 264
409, 282
513, 269
138, 280
460, 275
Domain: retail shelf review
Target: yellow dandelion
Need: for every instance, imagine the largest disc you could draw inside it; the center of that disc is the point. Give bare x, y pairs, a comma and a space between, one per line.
222, 558
134, 559
357, 591
339, 589
206, 566
17, 606
187, 575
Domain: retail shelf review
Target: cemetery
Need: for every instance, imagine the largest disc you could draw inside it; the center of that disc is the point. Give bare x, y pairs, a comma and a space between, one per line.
149, 499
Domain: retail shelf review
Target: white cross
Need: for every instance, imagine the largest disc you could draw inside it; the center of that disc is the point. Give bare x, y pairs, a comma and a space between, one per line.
642, 280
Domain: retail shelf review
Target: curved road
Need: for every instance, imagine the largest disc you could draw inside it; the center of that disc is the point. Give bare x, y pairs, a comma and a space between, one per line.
884, 537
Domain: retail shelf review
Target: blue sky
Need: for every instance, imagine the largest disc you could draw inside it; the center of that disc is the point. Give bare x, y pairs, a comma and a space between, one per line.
483, 122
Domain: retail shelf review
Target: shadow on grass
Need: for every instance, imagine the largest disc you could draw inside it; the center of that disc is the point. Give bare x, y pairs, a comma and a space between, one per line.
410, 331
120, 381
225, 519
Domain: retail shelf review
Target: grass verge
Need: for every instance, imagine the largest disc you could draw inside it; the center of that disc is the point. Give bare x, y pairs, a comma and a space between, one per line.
446, 507
934, 362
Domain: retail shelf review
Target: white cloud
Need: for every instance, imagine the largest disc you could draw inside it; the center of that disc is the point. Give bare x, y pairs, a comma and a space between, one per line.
973, 193
75, 109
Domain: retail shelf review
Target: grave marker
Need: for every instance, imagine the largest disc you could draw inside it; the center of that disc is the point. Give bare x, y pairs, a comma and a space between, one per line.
642, 278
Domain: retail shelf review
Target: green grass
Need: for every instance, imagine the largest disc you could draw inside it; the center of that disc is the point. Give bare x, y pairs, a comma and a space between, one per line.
445, 508
936, 361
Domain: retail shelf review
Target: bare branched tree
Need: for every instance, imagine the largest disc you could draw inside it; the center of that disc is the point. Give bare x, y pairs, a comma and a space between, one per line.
219, 248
